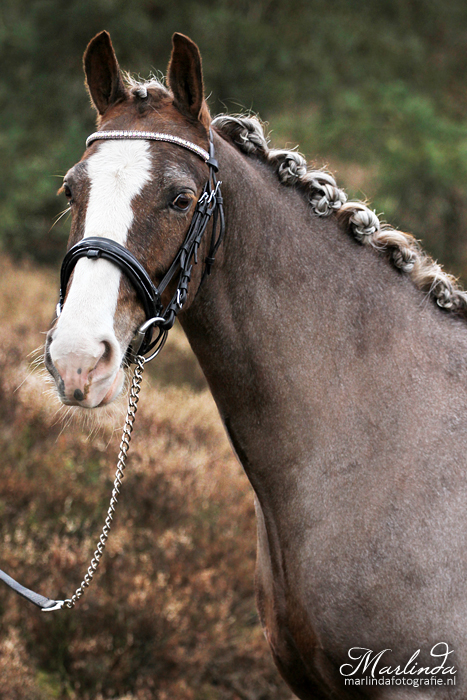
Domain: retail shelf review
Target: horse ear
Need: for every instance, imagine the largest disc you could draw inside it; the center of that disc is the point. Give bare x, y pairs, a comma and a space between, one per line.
185, 79
103, 77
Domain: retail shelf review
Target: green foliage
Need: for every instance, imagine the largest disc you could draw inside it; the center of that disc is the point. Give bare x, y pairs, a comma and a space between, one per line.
415, 157
381, 85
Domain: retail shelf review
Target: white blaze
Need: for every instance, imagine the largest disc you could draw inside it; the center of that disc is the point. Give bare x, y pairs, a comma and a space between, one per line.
117, 173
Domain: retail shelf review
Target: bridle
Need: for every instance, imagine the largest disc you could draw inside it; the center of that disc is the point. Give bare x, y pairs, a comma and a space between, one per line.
210, 204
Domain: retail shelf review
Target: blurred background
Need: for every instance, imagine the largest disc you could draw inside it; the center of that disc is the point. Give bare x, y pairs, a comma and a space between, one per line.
375, 89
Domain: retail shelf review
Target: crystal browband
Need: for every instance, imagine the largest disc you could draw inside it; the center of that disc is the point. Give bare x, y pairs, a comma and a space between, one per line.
147, 136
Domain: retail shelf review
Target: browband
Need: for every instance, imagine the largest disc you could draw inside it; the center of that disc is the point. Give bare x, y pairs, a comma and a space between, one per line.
147, 136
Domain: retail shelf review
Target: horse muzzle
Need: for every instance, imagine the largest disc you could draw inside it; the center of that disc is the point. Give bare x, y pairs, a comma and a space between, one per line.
90, 374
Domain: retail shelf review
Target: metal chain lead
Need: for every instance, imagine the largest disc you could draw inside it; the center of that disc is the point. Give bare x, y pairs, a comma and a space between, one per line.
119, 474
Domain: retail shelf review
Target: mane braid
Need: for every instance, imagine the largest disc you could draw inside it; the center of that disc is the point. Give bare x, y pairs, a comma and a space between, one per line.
139, 88
327, 198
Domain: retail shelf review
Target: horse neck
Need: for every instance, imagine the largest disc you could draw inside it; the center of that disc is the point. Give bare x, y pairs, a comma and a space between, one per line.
294, 319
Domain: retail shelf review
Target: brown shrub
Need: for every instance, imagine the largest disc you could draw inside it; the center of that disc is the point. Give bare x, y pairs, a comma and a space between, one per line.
171, 612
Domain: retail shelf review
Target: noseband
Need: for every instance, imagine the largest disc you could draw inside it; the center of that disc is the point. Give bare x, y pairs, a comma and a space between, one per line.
209, 204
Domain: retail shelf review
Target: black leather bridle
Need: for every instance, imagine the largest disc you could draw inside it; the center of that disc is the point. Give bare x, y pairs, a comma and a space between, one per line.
210, 204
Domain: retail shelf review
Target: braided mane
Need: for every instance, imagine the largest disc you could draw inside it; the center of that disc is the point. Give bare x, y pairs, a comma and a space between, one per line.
326, 198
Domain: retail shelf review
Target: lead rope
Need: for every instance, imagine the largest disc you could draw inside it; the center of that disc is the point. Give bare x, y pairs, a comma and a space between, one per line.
119, 474
47, 604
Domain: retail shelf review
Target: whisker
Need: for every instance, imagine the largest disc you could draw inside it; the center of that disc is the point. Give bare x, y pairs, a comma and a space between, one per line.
67, 419
60, 216
34, 367
36, 351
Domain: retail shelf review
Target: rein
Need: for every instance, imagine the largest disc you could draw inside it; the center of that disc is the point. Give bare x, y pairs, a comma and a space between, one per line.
210, 204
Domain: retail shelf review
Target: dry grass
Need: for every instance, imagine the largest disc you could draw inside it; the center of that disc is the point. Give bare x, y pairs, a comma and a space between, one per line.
171, 612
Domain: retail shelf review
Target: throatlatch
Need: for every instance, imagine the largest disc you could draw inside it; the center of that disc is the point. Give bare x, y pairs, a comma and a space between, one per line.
210, 204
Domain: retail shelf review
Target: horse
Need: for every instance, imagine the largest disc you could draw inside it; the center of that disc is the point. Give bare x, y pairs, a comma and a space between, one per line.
336, 352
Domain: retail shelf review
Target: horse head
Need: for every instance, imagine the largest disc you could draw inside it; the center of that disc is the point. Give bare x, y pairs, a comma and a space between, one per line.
134, 193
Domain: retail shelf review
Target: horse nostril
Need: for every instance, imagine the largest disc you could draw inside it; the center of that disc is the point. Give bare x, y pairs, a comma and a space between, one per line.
47, 357
78, 395
106, 355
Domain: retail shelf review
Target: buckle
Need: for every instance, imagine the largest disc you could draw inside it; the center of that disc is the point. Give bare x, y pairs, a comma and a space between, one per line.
140, 335
212, 162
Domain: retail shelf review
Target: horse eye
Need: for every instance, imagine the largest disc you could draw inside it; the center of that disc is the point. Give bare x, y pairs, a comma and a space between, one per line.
67, 192
182, 202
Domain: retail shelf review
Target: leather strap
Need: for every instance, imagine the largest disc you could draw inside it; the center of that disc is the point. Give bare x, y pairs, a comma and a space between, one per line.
45, 604
97, 247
